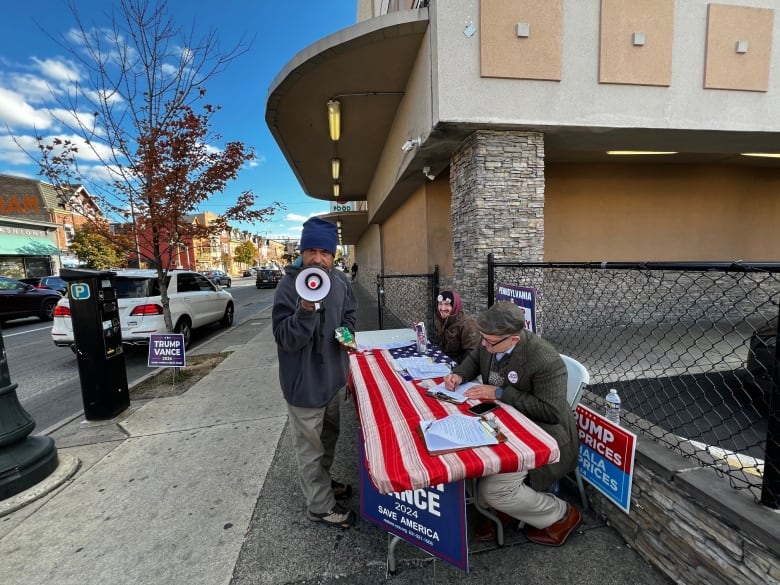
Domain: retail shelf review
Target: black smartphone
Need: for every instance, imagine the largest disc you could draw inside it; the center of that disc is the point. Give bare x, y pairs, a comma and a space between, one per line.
483, 408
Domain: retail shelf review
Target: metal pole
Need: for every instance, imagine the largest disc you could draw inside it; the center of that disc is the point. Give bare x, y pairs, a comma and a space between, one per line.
434, 302
490, 279
379, 298
770, 491
24, 460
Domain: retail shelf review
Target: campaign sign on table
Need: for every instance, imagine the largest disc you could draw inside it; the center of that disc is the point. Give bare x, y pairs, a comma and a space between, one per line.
166, 350
606, 458
524, 297
432, 519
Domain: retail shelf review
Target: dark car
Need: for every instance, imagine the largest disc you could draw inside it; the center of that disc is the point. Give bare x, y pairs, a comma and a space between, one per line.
19, 299
757, 375
218, 277
52, 282
268, 277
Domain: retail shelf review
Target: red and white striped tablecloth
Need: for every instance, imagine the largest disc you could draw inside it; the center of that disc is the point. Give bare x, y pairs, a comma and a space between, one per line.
390, 409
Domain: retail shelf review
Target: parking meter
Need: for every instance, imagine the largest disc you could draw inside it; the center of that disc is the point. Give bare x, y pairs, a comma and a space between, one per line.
94, 312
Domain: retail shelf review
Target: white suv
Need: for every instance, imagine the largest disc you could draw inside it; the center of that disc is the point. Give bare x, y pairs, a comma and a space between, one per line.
194, 302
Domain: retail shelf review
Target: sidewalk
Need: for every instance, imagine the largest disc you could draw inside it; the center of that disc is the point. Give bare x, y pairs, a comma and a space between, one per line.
201, 488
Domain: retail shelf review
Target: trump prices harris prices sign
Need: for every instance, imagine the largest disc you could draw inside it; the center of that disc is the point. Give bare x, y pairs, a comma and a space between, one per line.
606, 457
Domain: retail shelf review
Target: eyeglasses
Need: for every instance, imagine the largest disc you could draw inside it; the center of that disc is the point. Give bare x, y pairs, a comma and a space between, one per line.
492, 344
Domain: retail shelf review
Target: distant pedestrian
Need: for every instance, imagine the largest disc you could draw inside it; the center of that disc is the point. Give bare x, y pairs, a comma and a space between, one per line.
354, 271
313, 371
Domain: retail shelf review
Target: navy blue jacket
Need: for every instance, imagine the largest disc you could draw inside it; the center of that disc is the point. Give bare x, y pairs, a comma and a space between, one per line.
312, 364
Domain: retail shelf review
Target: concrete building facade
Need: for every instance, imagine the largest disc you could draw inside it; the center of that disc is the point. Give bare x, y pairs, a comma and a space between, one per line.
559, 131
456, 115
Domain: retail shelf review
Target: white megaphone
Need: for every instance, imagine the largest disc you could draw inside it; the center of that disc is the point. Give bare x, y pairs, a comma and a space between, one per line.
312, 284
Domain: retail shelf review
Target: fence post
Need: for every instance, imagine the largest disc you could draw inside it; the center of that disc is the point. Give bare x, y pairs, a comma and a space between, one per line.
379, 294
770, 491
490, 279
435, 296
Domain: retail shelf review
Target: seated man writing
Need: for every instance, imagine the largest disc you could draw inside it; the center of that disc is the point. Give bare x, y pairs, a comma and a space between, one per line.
526, 372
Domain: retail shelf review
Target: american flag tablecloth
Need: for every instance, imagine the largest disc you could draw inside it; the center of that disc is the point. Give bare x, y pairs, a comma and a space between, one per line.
390, 409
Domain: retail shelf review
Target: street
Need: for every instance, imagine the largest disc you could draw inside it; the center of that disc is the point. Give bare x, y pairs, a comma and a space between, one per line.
49, 388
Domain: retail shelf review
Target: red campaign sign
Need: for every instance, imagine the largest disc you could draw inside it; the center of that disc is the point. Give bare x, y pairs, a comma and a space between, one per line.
613, 443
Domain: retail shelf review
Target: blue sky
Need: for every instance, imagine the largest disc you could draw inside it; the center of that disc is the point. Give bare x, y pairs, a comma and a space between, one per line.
278, 29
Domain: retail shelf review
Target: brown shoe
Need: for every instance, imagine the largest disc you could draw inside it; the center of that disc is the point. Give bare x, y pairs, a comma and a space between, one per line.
556, 534
486, 531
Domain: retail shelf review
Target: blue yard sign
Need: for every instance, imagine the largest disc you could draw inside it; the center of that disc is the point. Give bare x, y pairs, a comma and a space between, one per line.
524, 297
432, 519
606, 458
166, 350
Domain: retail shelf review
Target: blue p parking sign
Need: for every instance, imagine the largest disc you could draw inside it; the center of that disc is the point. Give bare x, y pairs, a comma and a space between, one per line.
79, 291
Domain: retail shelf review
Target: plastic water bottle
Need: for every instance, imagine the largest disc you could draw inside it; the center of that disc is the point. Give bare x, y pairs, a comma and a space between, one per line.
613, 407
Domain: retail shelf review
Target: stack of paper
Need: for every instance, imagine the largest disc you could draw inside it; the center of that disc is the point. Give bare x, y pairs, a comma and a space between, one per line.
421, 367
456, 431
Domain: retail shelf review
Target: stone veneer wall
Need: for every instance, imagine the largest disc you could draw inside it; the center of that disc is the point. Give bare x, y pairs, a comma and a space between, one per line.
497, 183
688, 521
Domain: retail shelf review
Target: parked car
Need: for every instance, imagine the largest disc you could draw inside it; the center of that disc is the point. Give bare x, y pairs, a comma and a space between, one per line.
194, 302
250, 272
52, 282
20, 299
757, 375
268, 277
218, 277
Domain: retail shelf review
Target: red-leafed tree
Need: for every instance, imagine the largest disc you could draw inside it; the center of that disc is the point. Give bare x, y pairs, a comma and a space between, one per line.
138, 132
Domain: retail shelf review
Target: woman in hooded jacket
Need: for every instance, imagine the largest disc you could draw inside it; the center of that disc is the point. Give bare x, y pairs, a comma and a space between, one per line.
456, 331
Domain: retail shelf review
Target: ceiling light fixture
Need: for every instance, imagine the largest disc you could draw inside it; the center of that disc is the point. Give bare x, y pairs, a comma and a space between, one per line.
336, 189
335, 168
638, 152
761, 154
334, 119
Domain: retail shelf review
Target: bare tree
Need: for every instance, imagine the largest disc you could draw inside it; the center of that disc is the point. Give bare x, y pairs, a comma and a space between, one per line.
141, 133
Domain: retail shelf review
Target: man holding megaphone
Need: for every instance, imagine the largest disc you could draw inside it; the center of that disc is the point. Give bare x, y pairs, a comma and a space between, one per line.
310, 303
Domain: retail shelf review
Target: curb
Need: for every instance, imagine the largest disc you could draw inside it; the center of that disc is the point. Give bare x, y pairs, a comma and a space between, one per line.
66, 468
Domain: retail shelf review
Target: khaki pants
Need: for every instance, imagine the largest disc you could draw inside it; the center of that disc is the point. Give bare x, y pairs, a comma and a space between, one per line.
509, 493
314, 434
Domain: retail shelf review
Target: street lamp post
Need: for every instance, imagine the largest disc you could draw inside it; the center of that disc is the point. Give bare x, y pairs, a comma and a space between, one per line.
24, 460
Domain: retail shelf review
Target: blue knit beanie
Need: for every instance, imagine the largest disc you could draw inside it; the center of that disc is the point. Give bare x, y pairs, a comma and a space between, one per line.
319, 233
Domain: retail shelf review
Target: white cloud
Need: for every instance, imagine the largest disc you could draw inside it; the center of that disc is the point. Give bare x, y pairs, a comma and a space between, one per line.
17, 113
12, 153
295, 217
35, 89
57, 69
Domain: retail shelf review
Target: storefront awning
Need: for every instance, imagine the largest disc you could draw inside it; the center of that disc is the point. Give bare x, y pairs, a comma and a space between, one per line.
26, 246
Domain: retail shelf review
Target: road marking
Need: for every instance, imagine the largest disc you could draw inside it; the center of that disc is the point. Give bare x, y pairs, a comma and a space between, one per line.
28, 331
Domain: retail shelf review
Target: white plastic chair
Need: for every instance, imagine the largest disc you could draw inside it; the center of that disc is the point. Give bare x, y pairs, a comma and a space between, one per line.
575, 385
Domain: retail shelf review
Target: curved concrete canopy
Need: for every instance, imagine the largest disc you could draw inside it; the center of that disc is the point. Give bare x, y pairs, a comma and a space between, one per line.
365, 67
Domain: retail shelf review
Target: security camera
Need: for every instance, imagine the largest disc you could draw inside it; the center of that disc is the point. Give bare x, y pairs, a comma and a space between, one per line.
410, 144
428, 175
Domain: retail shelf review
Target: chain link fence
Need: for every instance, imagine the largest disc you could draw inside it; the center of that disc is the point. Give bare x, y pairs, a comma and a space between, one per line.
690, 348
406, 298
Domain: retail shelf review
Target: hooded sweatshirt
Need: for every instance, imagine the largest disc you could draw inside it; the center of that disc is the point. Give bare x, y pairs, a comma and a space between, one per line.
312, 364
457, 334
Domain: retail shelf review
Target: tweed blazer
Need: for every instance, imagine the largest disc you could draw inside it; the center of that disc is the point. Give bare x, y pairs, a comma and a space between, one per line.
539, 392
